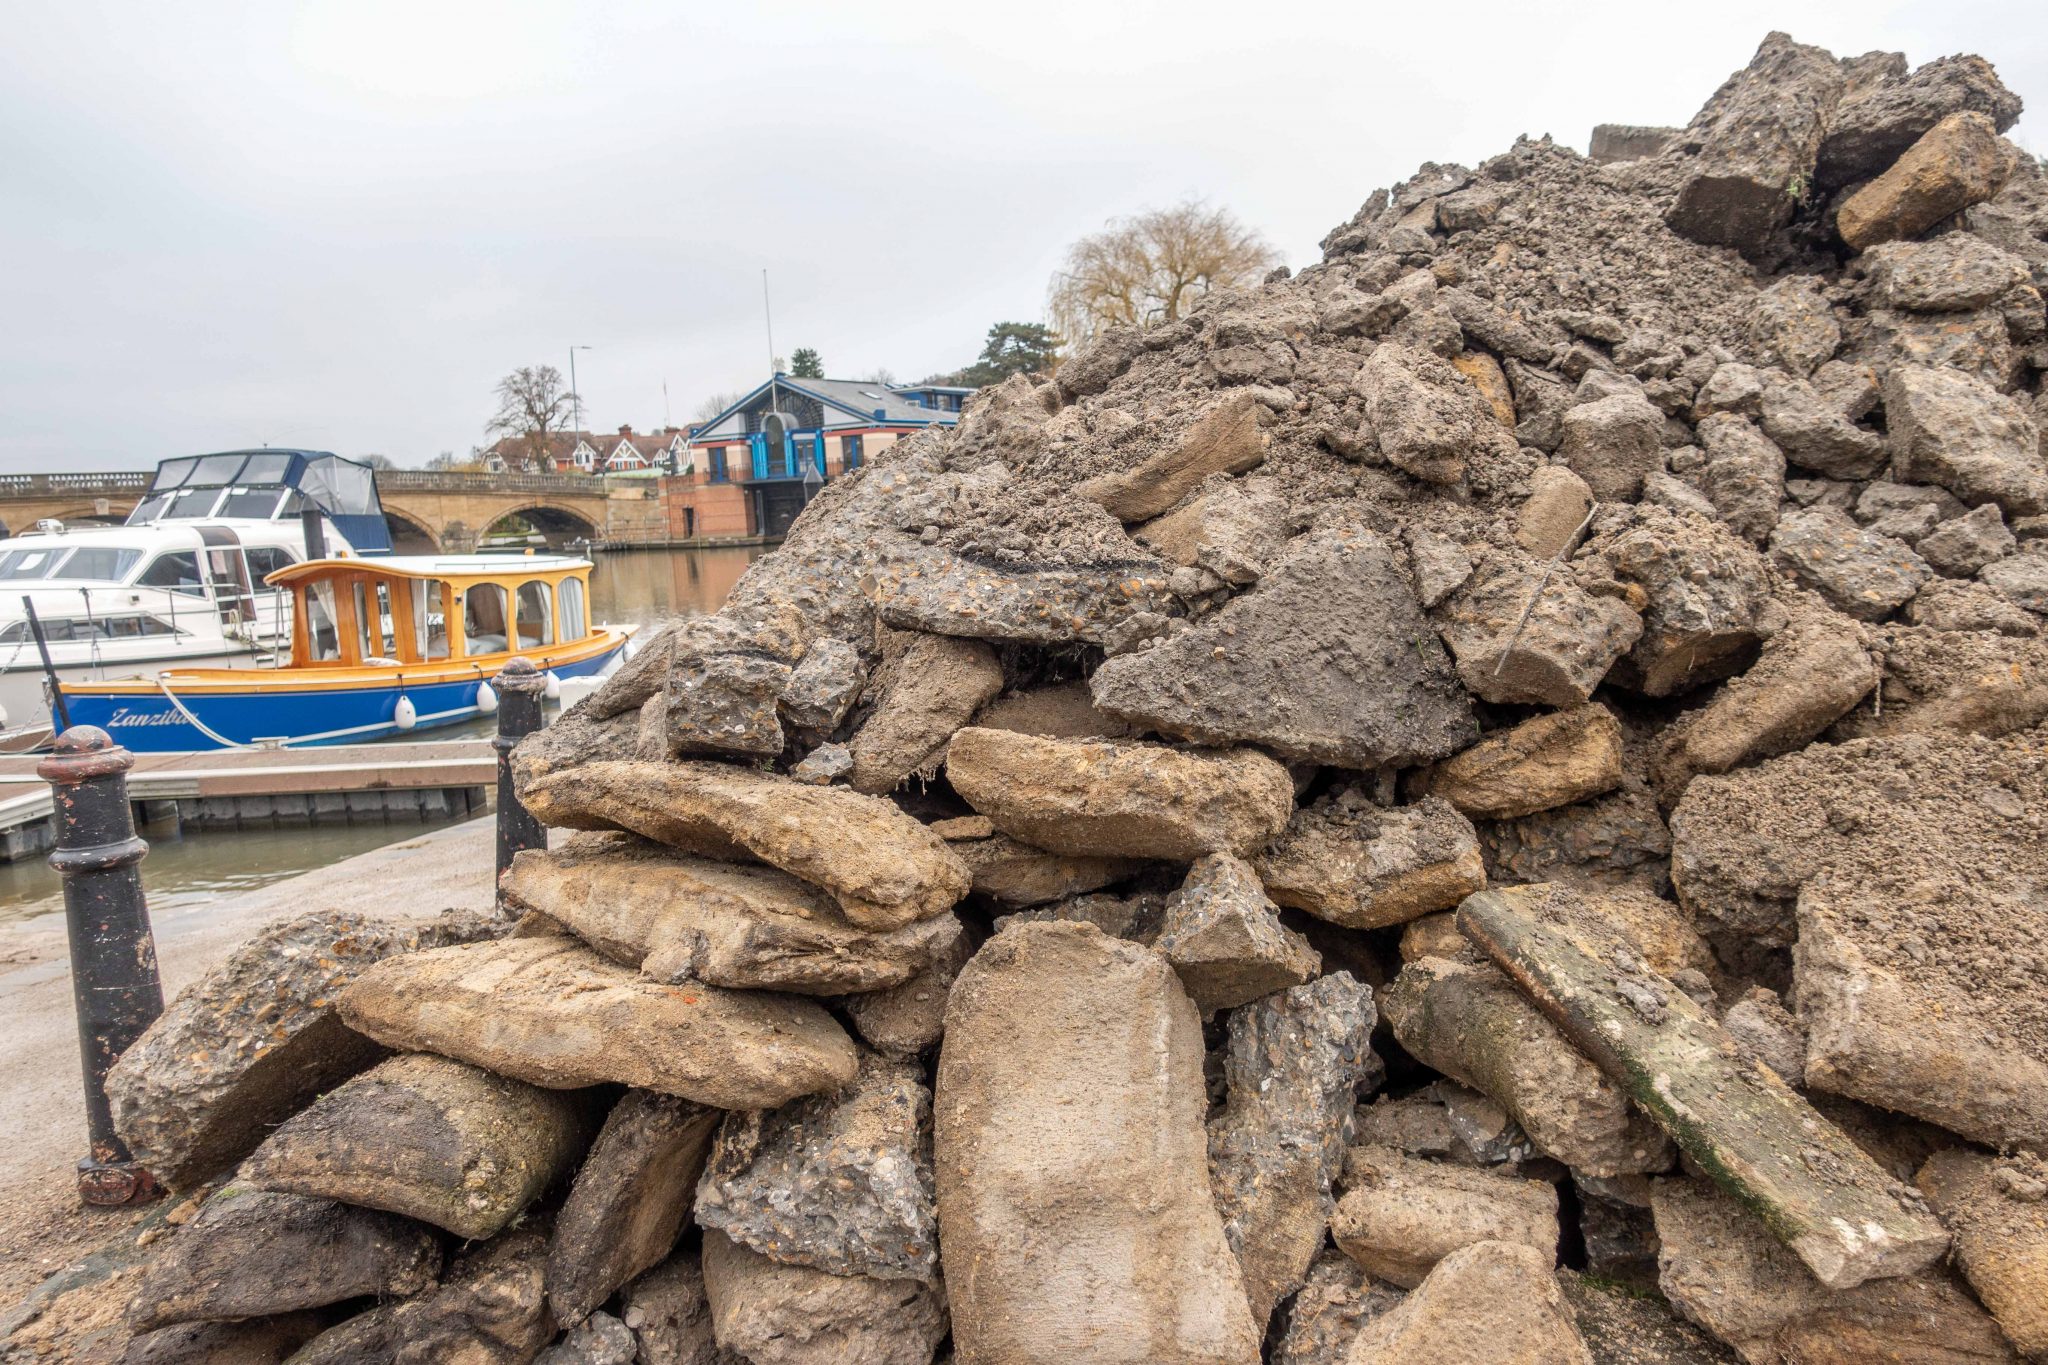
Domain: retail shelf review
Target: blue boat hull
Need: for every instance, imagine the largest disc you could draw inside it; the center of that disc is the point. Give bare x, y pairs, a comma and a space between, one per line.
155, 724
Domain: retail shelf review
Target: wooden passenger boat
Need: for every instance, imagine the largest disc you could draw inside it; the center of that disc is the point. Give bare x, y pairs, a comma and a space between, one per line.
379, 647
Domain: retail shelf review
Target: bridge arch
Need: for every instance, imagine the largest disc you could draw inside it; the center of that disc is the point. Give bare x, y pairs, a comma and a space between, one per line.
557, 525
409, 535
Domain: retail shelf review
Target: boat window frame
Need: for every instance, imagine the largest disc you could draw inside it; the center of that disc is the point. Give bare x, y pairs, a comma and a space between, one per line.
504, 612
548, 637
572, 607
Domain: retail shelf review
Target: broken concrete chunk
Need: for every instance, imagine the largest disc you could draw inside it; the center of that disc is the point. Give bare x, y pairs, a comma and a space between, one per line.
1491, 1301
680, 918
1231, 528
840, 1182
1439, 564
1614, 443
905, 1020
1707, 593
1721, 1268
1956, 273
885, 869
726, 673
1072, 1165
630, 1199
930, 686
1622, 1325
252, 1341
1876, 122
1951, 429
1350, 862
1947, 605
670, 1316
1808, 676
1470, 1023
772, 1313
948, 592
1328, 659
1759, 138
1015, 874
824, 685
1618, 838
552, 1012
1958, 162
1061, 711
1961, 546
1229, 438
429, 1138
1428, 419
1550, 760
2021, 580
1813, 433
1292, 1071
1814, 1188
1974, 682
491, 1308
1994, 1207
247, 1045
1524, 632
1106, 799
1764, 1029
250, 1253
599, 1339
1326, 1314
1869, 576
1558, 505
1401, 1215
1225, 938
1792, 324
1744, 476
1923, 1006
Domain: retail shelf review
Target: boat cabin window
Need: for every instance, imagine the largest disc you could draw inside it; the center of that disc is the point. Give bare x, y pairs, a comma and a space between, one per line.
536, 613
19, 565
62, 629
483, 618
254, 503
573, 626
321, 636
178, 571
101, 563
265, 560
373, 620
430, 618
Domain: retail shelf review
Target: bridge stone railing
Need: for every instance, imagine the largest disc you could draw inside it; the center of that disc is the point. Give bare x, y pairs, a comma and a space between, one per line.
477, 481
72, 485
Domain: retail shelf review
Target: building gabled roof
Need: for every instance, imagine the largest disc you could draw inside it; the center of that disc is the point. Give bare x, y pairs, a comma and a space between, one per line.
850, 402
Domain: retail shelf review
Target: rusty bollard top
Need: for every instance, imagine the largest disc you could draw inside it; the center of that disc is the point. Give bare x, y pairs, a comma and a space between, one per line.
82, 753
519, 675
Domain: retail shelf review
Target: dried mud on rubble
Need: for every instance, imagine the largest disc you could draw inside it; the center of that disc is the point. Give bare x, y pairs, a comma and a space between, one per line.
1483, 801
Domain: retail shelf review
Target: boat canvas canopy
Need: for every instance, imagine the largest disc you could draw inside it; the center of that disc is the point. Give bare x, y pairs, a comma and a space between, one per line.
343, 490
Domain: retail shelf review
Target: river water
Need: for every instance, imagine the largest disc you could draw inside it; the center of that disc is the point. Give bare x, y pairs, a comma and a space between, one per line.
184, 872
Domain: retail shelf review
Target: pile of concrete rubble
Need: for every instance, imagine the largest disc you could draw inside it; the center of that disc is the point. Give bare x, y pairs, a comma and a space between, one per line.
1484, 801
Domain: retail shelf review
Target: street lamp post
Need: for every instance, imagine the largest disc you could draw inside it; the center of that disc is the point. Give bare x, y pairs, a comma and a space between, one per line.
575, 393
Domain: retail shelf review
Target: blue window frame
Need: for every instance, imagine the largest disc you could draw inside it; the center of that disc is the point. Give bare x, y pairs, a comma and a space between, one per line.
849, 452
718, 474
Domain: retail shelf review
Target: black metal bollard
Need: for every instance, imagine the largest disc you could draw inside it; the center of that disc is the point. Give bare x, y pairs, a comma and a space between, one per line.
114, 982
520, 687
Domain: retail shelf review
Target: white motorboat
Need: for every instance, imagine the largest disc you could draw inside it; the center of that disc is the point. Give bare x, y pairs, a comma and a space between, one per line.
181, 584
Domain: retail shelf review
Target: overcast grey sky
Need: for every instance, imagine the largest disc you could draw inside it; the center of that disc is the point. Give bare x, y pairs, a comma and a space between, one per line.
336, 223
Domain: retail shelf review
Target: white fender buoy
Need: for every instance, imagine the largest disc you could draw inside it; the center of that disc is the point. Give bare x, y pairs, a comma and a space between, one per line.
553, 689
486, 700
405, 715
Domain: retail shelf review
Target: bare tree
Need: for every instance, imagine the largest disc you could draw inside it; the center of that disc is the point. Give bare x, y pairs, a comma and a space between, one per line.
715, 404
1151, 268
881, 374
533, 406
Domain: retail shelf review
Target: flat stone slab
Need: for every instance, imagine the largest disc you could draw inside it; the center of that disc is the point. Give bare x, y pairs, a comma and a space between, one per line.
1107, 798
839, 1182
1327, 659
429, 1138
1401, 1215
1228, 438
884, 868
1547, 761
1072, 1166
927, 687
243, 1048
630, 1200
1014, 873
1496, 1302
1816, 1190
552, 1012
768, 1312
943, 591
681, 918
252, 1253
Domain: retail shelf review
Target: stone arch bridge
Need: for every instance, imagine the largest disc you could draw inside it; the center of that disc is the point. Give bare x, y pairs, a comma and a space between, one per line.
427, 509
